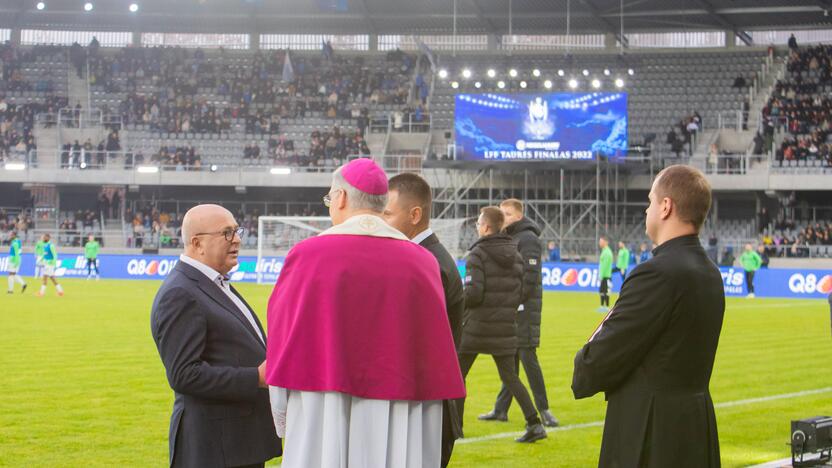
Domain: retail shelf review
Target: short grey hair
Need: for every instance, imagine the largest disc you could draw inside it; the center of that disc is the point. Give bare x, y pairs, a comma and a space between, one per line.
356, 199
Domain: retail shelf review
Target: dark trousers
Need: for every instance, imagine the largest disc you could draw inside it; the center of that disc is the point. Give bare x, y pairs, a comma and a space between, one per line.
749, 281
92, 264
506, 369
449, 432
534, 374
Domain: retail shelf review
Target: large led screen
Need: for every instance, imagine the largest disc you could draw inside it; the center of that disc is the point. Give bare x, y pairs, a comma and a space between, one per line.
540, 127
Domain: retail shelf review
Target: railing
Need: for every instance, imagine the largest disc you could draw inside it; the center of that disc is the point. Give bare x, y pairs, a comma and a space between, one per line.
70, 118
409, 124
93, 160
726, 164
781, 251
731, 120
64, 237
79, 118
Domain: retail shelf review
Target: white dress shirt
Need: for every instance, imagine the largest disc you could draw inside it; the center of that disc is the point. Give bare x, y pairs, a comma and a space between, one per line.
222, 283
422, 236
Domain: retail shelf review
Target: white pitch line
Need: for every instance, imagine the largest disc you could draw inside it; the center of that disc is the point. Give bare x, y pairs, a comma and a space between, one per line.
763, 305
749, 401
726, 404
503, 435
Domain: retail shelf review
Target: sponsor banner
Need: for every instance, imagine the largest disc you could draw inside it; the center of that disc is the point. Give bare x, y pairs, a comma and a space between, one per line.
788, 283
145, 267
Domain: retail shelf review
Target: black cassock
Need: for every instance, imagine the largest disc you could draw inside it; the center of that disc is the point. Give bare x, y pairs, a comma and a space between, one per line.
653, 356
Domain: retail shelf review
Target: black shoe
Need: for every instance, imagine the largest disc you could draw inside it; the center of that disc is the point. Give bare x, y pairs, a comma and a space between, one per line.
493, 416
23, 289
9, 292
549, 419
533, 433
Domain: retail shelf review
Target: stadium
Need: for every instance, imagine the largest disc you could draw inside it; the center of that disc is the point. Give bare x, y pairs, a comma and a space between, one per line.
118, 116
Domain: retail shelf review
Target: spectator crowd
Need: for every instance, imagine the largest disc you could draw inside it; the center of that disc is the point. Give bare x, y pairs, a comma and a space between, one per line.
801, 104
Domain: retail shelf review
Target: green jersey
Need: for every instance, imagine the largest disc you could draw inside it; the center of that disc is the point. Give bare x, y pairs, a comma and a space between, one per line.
40, 249
50, 254
751, 260
623, 259
605, 263
91, 249
15, 250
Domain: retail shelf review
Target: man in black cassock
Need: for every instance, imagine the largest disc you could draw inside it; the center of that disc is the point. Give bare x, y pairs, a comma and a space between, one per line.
654, 352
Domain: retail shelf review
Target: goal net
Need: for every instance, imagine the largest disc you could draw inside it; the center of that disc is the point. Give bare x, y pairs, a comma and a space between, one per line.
278, 234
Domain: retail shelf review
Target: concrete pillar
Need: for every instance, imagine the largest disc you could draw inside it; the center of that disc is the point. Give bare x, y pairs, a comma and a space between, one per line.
373, 42
137, 39
730, 41
14, 38
610, 42
254, 41
493, 42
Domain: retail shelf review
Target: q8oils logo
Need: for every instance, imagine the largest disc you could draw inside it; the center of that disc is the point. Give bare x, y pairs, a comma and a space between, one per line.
810, 284
570, 277
142, 267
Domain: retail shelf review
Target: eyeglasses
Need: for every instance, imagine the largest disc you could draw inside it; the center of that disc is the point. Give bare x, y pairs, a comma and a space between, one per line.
227, 233
328, 198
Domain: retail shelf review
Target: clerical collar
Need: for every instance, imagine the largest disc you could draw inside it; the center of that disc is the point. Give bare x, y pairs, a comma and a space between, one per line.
686, 240
422, 236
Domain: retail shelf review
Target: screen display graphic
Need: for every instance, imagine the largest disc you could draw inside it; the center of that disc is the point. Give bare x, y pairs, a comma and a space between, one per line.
540, 127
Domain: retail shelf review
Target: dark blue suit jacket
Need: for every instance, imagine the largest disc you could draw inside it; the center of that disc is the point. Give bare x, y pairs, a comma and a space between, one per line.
211, 353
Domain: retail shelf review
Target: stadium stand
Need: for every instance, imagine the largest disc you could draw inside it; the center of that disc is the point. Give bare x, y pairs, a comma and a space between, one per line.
801, 106
221, 101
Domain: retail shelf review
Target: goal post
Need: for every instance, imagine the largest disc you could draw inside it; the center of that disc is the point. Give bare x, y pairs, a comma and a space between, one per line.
276, 235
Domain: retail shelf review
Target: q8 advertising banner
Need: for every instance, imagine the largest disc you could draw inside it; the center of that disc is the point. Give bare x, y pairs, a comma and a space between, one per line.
146, 267
540, 127
768, 282
581, 277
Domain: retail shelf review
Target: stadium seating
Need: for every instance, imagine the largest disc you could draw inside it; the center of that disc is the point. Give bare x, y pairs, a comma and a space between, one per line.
219, 102
800, 105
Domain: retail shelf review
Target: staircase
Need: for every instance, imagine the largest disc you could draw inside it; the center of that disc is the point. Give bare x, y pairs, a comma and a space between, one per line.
113, 233
740, 140
78, 91
377, 143
46, 139
775, 72
91, 129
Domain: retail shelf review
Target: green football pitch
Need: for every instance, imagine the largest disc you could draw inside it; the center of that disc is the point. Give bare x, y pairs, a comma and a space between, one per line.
82, 384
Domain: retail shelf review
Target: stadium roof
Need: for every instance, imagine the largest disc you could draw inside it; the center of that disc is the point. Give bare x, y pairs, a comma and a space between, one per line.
416, 16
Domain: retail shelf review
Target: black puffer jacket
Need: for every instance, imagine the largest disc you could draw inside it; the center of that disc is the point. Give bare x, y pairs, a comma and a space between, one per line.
493, 292
527, 236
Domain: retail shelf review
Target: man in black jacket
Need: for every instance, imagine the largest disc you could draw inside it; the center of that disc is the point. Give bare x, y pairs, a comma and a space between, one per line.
527, 235
214, 350
654, 352
493, 292
408, 208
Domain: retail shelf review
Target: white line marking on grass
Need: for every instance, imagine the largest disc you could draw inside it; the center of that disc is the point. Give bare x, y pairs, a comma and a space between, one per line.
763, 305
503, 435
726, 404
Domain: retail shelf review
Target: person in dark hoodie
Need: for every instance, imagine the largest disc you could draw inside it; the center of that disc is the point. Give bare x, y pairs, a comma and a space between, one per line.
527, 235
493, 293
